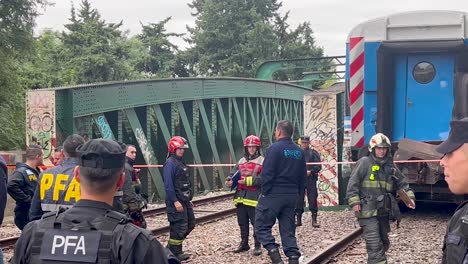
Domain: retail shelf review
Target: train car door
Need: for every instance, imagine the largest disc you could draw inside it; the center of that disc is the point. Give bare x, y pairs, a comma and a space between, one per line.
429, 96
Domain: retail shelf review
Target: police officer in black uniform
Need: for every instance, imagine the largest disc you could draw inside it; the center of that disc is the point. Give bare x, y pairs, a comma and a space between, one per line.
132, 201
179, 194
57, 188
283, 173
91, 231
455, 164
23, 182
311, 155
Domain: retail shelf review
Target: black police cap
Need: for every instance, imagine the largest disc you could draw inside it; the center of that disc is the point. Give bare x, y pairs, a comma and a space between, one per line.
101, 153
305, 139
457, 137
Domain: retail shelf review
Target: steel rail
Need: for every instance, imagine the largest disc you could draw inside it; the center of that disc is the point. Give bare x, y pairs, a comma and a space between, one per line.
162, 210
11, 241
199, 220
333, 250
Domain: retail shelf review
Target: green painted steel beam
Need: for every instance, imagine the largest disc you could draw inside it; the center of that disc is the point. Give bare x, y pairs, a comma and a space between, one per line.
209, 133
193, 144
147, 150
113, 96
226, 128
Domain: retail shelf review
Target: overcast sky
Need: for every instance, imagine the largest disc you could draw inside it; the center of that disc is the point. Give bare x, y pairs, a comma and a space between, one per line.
330, 19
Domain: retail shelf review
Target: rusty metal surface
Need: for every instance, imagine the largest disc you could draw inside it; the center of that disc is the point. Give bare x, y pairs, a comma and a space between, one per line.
162, 210
199, 220
325, 255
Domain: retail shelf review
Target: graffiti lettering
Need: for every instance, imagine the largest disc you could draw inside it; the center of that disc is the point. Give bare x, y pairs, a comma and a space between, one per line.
320, 125
40, 117
104, 127
141, 138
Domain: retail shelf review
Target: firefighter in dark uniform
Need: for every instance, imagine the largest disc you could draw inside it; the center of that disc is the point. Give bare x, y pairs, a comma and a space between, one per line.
23, 183
91, 231
57, 188
247, 191
455, 164
369, 193
283, 173
132, 200
179, 194
311, 155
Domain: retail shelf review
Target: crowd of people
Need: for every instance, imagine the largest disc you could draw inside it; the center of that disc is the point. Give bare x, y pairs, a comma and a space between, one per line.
88, 208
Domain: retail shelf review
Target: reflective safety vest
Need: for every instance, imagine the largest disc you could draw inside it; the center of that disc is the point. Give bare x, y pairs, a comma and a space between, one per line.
61, 240
58, 187
370, 182
250, 170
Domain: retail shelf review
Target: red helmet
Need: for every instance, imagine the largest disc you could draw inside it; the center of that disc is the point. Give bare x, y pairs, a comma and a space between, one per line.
176, 143
252, 141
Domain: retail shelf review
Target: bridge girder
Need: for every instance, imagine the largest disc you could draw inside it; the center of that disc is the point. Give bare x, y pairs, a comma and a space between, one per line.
213, 114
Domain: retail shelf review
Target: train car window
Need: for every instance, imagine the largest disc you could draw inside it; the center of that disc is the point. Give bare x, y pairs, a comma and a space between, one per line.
424, 72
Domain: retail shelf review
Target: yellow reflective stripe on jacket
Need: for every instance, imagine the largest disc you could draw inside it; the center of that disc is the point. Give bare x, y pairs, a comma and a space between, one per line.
249, 181
353, 200
377, 184
175, 242
245, 201
367, 213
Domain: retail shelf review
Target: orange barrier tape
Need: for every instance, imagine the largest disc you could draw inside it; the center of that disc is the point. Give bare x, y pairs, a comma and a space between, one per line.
231, 165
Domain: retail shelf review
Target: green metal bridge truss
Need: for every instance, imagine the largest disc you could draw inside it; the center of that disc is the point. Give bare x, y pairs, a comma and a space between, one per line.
214, 114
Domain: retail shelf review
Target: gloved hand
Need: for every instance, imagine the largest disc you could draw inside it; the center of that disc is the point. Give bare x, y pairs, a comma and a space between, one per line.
138, 218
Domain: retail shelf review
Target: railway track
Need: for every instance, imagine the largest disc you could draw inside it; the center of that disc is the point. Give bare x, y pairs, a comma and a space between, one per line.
10, 241
333, 250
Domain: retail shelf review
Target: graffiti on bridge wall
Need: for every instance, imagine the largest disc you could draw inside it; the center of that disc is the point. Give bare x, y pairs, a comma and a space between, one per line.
40, 120
320, 125
104, 127
143, 142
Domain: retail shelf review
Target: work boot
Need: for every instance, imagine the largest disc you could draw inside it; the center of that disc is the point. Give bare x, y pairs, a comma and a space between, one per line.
298, 219
178, 253
258, 248
243, 246
182, 256
275, 256
314, 220
293, 260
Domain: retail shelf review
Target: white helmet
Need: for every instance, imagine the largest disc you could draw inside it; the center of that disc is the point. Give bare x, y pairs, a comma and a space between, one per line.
379, 140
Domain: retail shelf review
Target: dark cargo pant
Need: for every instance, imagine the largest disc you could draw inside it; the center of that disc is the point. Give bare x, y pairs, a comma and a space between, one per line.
246, 214
181, 224
22, 215
312, 194
281, 207
376, 235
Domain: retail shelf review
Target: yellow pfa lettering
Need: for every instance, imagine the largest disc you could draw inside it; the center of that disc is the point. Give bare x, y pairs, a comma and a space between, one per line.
59, 186
46, 182
73, 191
32, 177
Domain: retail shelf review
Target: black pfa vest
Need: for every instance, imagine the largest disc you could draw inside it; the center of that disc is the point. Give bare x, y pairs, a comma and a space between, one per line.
456, 239
61, 240
181, 180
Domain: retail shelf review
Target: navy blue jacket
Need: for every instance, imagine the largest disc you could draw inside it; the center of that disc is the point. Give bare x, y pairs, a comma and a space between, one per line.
22, 184
3, 188
40, 206
284, 168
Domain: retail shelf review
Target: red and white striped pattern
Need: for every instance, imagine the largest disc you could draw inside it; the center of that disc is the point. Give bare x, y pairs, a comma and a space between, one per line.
356, 84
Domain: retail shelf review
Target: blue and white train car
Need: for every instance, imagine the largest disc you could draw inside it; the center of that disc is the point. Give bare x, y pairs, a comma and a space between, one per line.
407, 77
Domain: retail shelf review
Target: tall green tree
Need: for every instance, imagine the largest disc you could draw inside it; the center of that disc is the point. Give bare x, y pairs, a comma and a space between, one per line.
46, 67
97, 50
16, 41
160, 58
232, 37
258, 33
